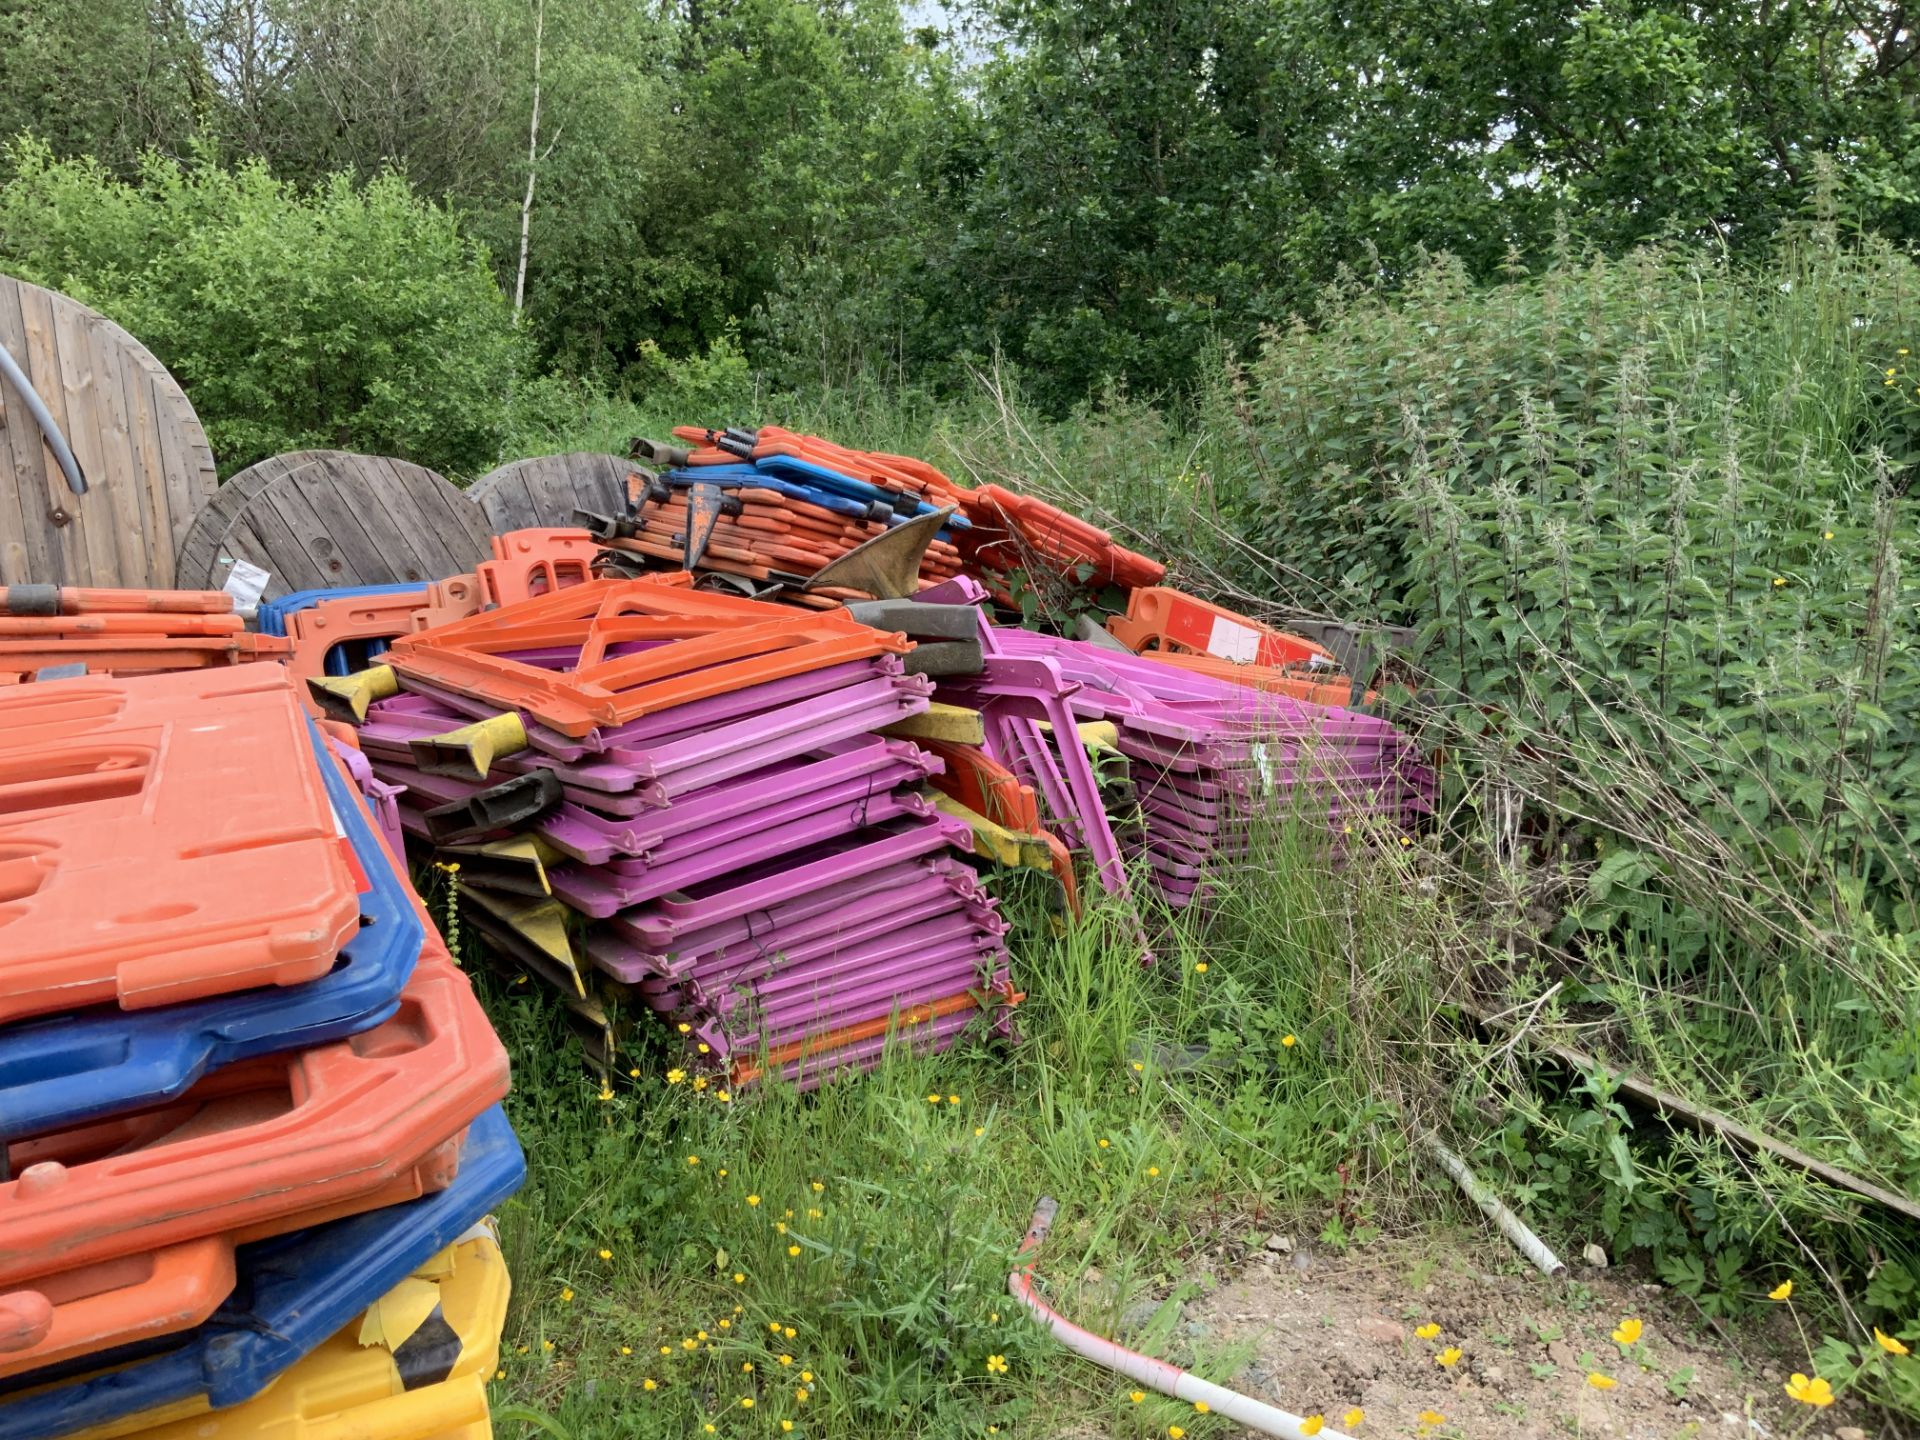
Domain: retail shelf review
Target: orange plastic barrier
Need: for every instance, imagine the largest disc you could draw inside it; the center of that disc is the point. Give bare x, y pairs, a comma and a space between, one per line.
1300, 684
725, 644
118, 654
116, 1302
257, 1148
72, 600
162, 841
988, 788
534, 562
1162, 619
314, 631
1007, 528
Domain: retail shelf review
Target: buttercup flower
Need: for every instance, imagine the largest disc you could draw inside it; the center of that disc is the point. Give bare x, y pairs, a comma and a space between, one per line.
997, 1364
1627, 1331
1289, 1041
1448, 1358
1601, 1382
1353, 1417
1888, 1343
1814, 1391
1137, 1396
1782, 1291
1428, 1330
1431, 1418
1313, 1424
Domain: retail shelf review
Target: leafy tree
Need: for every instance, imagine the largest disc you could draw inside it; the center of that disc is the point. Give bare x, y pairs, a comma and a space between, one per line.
345, 315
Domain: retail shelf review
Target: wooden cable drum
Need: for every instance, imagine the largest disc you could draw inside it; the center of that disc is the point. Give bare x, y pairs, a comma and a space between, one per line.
319, 519
146, 460
545, 490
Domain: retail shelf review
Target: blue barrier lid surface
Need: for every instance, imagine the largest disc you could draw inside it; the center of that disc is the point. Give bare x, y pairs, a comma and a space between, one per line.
292, 1293
102, 1061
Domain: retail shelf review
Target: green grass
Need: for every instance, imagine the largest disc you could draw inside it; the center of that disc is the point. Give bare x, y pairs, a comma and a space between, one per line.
1161, 1104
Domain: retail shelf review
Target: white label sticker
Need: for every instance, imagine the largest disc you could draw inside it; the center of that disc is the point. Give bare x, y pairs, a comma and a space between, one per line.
1233, 641
1264, 764
246, 583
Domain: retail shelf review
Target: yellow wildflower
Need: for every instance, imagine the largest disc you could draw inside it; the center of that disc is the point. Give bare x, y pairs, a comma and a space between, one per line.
800, 1395
738, 1278
693, 1159
704, 1048
606, 1254
1353, 1418
753, 1199
746, 1367
499, 1374
1313, 1424
979, 1130
1174, 1432
566, 1294
789, 1332
1201, 1407
807, 1375
1428, 1330
746, 1402
786, 1359
817, 1186
626, 1349
649, 1384
606, 1092
1814, 1391
1199, 967
699, 1082
546, 1344
1137, 1396
953, 1099
1105, 1144
688, 1343
1448, 1358
1431, 1418
1153, 1169
1826, 535
1782, 1291
997, 1364
674, 1077
1778, 581
683, 1027
786, 1425
1888, 1343
1627, 1331
1601, 1382
793, 1250
933, 1099
1289, 1041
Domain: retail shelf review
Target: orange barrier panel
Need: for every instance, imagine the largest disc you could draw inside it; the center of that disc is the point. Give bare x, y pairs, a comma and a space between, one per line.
137, 623
116, 1302
723, 644
162, 841
1300, 684
534, 562
72, 600
314, 631
138, 654
1159, 618
261, 1147
1007, 526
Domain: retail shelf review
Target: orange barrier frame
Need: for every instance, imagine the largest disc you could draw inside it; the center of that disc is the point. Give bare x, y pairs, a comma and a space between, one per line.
1159, 618
534, 562
722, 643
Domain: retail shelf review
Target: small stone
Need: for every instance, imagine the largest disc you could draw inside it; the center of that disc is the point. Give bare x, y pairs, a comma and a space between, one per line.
1383, 1332
1280, 1244
1492, 1375
1849, 1432
1302, 1261
1731, 1419
1595, 1257
1769, 1374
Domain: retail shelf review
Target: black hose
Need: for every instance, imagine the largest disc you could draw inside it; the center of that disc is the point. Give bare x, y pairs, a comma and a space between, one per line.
43, 417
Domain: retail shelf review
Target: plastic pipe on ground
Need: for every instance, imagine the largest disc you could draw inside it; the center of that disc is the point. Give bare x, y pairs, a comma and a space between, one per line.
1144, 1369
1528, 1243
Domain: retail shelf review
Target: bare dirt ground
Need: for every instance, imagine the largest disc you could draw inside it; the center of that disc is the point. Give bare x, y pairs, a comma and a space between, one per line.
1327, 1331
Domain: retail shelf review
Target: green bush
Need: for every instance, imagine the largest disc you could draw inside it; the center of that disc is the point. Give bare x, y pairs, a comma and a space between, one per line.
347, 316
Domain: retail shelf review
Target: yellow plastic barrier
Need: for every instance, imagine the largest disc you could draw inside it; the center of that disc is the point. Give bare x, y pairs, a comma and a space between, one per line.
355, 1386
